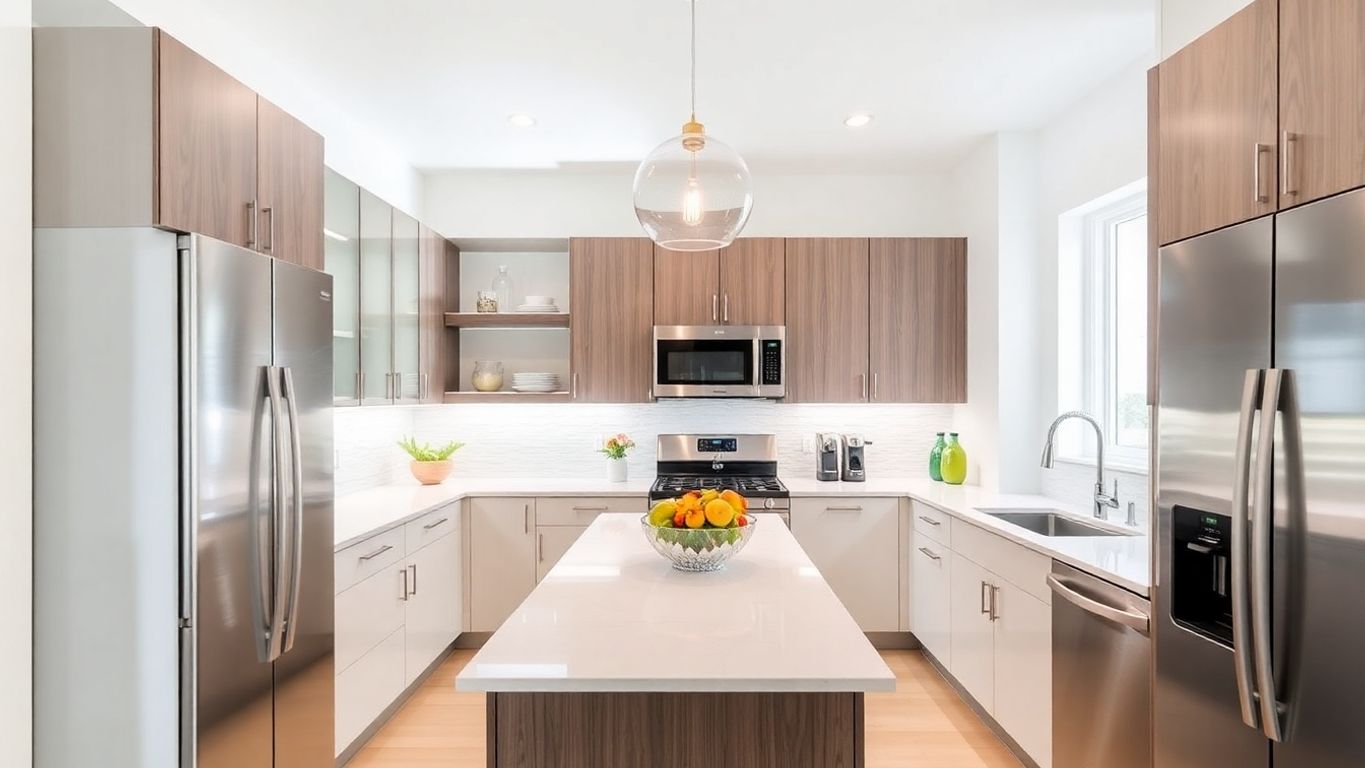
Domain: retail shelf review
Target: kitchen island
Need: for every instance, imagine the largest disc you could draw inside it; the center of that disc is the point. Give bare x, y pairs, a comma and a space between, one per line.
618, 660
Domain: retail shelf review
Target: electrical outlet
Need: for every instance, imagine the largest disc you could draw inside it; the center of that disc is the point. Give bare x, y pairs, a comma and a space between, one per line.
808, 444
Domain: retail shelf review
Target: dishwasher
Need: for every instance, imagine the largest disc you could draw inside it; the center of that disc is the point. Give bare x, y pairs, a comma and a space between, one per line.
1101, 673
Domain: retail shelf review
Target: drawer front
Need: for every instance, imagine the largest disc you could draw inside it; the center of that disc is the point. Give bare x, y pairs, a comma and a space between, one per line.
1012, 562
367, 613
360, 561
432, 526
368, 687
582, 510
932, 522
930, 564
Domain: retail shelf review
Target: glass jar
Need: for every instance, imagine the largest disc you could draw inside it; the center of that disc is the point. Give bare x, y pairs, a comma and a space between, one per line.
487, 376
953, 464
486, 302
502, 288
935, 458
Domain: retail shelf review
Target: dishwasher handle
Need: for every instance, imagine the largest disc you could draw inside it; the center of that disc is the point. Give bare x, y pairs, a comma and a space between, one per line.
1128, 618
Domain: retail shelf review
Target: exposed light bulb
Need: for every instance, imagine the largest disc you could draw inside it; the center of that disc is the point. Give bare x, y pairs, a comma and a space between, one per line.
692, 203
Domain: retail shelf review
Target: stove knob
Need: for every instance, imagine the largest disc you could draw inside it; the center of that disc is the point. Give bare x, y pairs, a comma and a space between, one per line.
769, 503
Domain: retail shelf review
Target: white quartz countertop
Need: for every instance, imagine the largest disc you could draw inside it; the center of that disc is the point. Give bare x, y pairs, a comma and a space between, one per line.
363, 514
1123, 560
613, 615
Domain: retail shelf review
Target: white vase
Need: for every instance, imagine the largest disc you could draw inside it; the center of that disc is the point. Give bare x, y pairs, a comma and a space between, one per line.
616, 470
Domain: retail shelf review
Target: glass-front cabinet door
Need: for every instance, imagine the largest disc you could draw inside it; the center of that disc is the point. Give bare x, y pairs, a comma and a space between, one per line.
376, 300
406, 308
341, 238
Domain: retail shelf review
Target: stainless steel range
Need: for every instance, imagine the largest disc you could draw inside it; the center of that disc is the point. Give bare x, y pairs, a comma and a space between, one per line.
746, 464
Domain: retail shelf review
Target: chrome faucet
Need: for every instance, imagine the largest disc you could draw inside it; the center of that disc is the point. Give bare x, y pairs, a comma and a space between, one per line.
1102, 500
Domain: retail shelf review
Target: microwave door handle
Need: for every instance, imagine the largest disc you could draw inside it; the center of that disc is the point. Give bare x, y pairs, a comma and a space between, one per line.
1241, 581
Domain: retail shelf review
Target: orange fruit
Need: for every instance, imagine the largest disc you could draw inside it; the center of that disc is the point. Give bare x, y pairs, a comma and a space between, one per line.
740, 503
679, 519
719, 513
694, 517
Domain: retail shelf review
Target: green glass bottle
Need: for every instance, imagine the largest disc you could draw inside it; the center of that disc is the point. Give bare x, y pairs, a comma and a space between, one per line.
953, 464
935, 456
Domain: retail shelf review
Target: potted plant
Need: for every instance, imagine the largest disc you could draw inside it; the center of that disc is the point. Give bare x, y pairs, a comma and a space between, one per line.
615, 449
429, 465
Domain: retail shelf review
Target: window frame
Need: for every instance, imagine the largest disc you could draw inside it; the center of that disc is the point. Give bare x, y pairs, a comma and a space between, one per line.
1097, 360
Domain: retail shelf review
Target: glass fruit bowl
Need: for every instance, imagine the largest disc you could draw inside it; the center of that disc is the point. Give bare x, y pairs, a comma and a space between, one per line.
698, 549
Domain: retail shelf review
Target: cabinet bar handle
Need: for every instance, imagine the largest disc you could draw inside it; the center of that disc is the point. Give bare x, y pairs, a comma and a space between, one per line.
863, 378
413, 568
422, 385
404, 596
926, 551
1257, 196
715, 313
574, 386
930, 520
269, 230
525, 518
985, 608
725, 313
251, 224
1287, 186
429, 526
874, 386
602, 508
843, 509
376, 553
540, 548
995, 595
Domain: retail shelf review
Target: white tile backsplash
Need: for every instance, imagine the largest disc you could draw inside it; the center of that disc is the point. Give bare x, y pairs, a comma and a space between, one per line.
560, 440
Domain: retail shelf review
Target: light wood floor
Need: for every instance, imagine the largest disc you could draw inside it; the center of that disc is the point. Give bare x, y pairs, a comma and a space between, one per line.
924, 724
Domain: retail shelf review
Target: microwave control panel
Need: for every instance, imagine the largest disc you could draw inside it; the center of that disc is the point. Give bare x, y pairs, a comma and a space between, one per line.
772, 362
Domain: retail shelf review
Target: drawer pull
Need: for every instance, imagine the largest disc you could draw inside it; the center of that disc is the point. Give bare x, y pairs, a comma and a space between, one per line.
429, 526
931, 555
843, 509
930, 520
376, 553
406, 594
413, 569
602, 508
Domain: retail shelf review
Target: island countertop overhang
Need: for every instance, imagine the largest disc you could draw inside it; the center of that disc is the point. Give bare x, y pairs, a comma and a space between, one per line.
613, 616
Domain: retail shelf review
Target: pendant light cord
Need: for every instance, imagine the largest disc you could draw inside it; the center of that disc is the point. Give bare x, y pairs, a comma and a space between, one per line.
694, 60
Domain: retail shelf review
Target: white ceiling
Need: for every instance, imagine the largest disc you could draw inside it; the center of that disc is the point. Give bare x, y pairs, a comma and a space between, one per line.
607, 79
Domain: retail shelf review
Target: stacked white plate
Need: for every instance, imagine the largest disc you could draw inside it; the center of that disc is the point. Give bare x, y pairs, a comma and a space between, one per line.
535, 382
539, 304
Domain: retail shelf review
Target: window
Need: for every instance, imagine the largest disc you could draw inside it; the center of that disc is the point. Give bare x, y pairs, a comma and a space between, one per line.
1104, 292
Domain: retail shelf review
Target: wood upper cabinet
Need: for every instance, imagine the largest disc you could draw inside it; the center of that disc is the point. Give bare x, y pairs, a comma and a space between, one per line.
289, 187
918, 320
753, 281
1322, 98
827, 320
1218, 107
431, 343
686, 287
611, 330
206, 147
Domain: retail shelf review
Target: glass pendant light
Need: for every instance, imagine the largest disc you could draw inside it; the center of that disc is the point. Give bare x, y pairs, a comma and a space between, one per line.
693, 192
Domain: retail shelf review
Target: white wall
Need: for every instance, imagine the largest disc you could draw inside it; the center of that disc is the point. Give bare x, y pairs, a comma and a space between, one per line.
16, 414
560, 440
351, 149
1184, 20
571, 202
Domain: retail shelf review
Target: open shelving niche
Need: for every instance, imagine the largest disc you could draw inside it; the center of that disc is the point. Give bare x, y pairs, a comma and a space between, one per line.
521, 341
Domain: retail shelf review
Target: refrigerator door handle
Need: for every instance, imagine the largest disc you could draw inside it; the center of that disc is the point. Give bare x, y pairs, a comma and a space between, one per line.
279, 449
1241, 581
296, 508
1261, 528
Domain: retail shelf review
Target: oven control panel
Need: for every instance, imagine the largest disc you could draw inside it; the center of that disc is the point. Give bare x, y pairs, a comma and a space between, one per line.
717, 445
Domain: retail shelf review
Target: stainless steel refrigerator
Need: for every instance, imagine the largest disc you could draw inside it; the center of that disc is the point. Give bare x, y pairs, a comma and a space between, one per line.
1260, 624
183, 504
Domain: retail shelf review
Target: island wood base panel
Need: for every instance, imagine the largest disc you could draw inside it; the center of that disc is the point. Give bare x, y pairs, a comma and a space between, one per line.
675, 730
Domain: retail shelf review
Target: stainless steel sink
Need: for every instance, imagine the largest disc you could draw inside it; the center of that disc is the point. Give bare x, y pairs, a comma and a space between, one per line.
1049, 522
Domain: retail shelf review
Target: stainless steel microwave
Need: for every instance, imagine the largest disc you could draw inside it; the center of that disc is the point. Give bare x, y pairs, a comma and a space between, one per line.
720, 361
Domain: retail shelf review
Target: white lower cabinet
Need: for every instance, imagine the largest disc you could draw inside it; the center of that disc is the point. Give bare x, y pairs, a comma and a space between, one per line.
502, 559
972, 658
401, 610
1023, 670
855, 543
552, 542
930, 607
434, 605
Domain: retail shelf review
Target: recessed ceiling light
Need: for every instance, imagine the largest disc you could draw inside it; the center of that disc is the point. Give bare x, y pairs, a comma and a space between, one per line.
521, 121
858, 120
